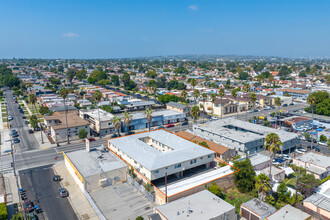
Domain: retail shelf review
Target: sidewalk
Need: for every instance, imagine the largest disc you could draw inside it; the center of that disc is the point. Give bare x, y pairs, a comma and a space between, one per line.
77, 199
4, 135
11, 194
37, 135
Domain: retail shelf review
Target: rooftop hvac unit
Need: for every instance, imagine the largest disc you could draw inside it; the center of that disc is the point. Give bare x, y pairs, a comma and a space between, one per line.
105, 182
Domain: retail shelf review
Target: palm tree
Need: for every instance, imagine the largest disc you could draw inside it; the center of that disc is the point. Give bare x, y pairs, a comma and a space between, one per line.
278, 102
97, 97
127, 119
64, 93
253, 98
196, 94
183, 95
193, 83
262, 185
234, 94
116, 121
195, 112
204, 99
221, 94
148, 114
272, 144
213, 97
311, 99
33, 100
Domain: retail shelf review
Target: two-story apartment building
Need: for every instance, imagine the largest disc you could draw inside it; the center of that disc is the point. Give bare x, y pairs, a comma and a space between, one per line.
100, 121
179, 108
157, 153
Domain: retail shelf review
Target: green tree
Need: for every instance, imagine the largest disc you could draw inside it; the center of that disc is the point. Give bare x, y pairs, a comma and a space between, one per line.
44, 110
245, 176
151, 74
272, 144
81, 74
227, 86
243, 76
270, 200
116, 121
148, 114
97, 96
323, 138
70, 74
64, 94
306, 184
33, 99
115, 80
196, 94
283, 194
262, 185
193, 83
183, 95
195, 112
34, 121
181, 70
127, 119
82, 134
216, 190
139, 218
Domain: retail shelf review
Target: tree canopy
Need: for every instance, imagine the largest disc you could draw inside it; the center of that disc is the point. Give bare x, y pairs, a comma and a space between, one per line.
245, 177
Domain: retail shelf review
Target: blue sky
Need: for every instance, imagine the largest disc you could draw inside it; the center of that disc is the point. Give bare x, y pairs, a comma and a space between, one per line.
112, 29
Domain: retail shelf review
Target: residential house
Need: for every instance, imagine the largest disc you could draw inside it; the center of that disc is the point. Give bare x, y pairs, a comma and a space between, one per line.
179, 108
256, 209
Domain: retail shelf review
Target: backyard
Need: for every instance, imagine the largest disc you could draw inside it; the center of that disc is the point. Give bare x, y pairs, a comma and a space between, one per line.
235, 198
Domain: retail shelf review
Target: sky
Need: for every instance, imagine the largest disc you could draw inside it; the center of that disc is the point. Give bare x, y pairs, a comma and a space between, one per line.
120, 28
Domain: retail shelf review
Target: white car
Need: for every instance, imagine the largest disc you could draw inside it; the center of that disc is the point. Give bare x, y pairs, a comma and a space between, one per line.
299, 151
323, 143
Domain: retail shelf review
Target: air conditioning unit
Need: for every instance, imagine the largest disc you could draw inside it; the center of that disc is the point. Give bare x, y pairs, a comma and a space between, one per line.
104, 182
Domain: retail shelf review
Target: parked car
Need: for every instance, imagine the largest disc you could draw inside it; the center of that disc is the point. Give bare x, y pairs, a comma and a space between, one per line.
130, 132
28, 206
14, 135
63, 192
16, 140
299, 151
184, 123
37, 129
30, 131
26, 122
323, 143
24, 117
10, 117
57, 178
249, 111
285, 105
16, 101
91, 139
169, 125
161, 127
291, 103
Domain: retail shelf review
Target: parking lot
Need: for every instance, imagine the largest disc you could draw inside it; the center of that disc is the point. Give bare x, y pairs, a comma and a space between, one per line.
42, 191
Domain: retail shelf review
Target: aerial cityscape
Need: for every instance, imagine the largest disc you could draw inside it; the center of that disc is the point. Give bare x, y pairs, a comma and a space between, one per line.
150, 110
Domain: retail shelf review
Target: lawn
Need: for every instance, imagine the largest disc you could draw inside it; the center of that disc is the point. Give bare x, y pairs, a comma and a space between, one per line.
238, 198
291, 180
3, 211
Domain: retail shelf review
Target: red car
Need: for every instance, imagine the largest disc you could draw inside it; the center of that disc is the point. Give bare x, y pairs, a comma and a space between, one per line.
91, 139
169, 126
28, 206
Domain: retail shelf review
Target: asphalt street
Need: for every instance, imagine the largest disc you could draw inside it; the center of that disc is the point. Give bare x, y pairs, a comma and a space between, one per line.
27, 141
40, 189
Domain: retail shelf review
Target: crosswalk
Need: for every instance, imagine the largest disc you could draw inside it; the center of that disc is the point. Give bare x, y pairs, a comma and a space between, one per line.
5, 163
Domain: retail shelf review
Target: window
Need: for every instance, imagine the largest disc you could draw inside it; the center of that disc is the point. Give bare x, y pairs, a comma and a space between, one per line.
177, 165
209, 156
156, 171
193, 161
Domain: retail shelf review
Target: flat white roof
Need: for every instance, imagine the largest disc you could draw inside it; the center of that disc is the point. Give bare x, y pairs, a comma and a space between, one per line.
104, 116
203, 178
201, 205
153, 159
94, 162
316, 159
254, 131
